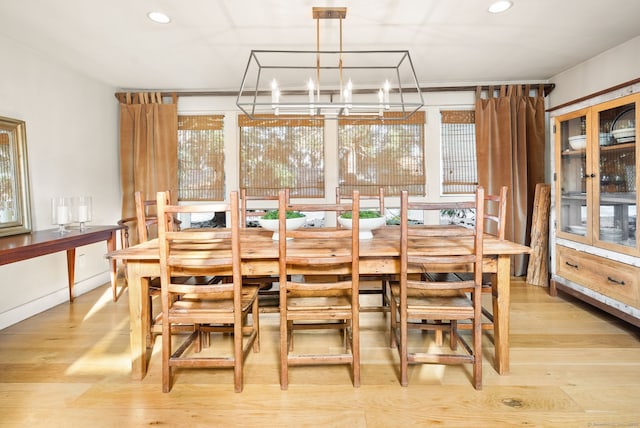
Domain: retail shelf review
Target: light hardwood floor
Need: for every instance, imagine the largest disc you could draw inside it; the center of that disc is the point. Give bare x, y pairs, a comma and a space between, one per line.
571, 366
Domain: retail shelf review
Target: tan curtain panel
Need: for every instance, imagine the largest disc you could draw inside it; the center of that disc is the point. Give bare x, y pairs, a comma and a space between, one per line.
510, 144
148, 148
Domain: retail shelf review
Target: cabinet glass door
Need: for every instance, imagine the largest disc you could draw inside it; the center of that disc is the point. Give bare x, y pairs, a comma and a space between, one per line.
574, 176
616, 213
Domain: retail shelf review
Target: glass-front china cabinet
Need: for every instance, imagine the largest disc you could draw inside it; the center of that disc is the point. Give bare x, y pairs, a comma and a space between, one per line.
597, 252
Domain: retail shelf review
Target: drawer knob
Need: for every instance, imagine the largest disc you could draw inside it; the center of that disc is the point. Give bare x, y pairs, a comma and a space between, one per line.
615, 281
571, 265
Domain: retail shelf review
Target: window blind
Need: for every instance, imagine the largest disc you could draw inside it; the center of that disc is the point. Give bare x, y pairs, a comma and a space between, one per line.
377, 153
458, 148
201, 158
282, 153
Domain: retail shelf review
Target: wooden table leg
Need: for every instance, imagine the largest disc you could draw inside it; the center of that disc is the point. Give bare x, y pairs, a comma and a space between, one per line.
71, 271
501, 307
138, 319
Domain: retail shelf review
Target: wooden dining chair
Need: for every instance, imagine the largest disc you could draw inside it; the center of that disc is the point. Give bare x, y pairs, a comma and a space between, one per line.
226, 306
422, 304
146, 222
495, 224
327, 303
136, 229
379, 282
253, 206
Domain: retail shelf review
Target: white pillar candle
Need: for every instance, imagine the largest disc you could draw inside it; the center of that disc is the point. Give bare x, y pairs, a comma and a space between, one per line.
63, 214
83, 213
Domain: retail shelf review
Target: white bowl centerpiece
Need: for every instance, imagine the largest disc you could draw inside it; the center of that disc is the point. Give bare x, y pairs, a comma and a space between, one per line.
369, 220
270, 221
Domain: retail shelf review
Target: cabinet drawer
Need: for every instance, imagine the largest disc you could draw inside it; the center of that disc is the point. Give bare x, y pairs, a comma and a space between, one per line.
614, 279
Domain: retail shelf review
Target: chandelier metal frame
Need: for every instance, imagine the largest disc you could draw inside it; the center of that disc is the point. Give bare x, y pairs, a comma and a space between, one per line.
329, 84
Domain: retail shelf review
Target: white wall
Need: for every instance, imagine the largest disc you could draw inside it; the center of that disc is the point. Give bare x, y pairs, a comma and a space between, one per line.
72, 146
613, 67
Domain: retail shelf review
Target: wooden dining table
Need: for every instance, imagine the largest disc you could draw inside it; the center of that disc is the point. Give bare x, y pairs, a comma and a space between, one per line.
379, 255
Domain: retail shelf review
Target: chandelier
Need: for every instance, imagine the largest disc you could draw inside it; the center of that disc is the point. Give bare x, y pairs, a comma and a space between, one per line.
330, 84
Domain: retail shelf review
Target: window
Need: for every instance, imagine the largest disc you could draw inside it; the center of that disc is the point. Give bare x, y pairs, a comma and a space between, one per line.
278, 153
458, 140
376, 153
201, 158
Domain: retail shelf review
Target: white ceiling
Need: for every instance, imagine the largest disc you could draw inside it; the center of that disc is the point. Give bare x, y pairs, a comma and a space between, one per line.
207, 44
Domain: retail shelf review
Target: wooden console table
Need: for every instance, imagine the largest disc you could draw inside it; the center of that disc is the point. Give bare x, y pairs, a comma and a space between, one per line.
27, 246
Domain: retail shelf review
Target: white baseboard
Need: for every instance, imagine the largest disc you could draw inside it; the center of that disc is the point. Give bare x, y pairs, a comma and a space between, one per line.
37, 306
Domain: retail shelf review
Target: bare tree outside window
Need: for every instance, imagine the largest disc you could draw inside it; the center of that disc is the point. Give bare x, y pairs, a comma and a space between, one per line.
282, 154
382, 153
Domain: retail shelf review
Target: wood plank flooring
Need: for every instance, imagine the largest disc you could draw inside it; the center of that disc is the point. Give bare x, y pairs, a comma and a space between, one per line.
571, 366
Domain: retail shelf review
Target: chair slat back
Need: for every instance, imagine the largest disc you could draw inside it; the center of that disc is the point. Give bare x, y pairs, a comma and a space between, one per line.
331, 235
256, 206
147, 217
125, 233
410, 235
496, 213
379, 198
205, 252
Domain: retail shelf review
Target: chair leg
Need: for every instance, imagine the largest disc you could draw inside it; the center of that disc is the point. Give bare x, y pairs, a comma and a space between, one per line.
284, 352
255, 319
439, 338
477, 356
198, 341
392, 324
167, 378
151, 322
290, 336
355, 351
238, 355
383, 293
404, 357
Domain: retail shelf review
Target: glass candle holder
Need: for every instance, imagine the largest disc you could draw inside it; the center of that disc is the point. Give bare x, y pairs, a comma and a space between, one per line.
61, 212
82, 210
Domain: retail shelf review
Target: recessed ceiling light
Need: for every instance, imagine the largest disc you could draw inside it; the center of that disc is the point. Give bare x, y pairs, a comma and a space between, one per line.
159, 17
500, 6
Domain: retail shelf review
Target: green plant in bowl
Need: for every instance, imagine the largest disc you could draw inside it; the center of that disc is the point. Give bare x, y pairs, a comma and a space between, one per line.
369, 220
273, 215
270, 221
363, 214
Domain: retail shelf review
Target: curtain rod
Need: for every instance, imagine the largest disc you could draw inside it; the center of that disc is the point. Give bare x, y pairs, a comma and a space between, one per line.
595, 94
548, 87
